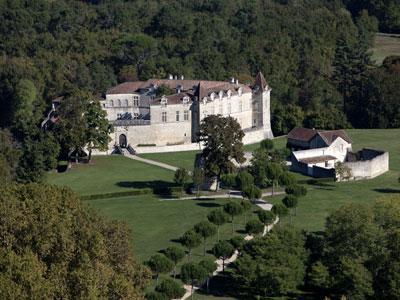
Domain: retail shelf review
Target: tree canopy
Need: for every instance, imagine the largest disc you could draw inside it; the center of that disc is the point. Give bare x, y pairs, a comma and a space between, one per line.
53, 247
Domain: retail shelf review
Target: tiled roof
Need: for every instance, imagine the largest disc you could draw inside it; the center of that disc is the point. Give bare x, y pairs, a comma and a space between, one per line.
329, 136
185, 85
302, 134
317, 159
126, 87
172, 99
260, 81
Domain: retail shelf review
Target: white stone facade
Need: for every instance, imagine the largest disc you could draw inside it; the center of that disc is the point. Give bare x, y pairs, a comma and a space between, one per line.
143, 119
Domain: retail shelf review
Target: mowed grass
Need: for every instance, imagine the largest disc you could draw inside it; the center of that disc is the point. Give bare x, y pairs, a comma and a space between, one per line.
184, 159
324, 198
107, 174
385, 45
158, 223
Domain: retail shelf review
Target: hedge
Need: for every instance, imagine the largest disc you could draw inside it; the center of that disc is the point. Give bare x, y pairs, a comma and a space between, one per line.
158, 191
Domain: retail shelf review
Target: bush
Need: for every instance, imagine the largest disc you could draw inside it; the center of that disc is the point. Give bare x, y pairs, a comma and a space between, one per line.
267, 144
254, 227
296, 190
236, 241
228, 180
170, 288
244, 179
156, 296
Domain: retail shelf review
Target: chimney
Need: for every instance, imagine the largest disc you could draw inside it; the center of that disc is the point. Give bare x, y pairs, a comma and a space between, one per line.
182, 78
176, 77
232, 80
170, 77
237, 81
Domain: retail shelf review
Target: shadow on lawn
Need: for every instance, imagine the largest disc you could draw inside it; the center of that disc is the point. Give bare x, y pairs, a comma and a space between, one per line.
159, 187
208, 204
387, 190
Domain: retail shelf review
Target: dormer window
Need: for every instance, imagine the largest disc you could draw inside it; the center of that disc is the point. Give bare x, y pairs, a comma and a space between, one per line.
229, 94
240, 92
119, 103
204, 100
178, 88
185, 100
212, 96
221, 94
164, 101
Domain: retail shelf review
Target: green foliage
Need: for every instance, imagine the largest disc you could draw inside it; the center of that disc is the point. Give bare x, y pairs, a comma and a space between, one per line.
190, 239
218, 217
175, 254
198, 178
156, 296
97, 127
171, 289
273, 265
209, 265
254, 227
164, 90
192, 273
267, 145
9, 156
296, 190
223, 250
243, 180
222, 138
280, 210
252, 192
266, 217
359, 254
233, 209
205, 229
237, 241
228, 180
181, 177
51, 242
159, 264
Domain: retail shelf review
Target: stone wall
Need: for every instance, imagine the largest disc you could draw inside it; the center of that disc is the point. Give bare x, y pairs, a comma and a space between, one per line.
373, 164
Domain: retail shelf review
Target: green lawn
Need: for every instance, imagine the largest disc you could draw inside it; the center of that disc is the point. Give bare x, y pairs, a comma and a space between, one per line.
385, 45
157, 223
107, 174
179, 159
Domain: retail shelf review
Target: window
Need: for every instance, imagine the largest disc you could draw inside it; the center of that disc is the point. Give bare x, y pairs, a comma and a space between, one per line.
212, 96
240, 105
186, 115
111, 103
177, 115
136, 102
229, 108
240, 92
229, 93
164, 116
119, 103
126, 102
221, 94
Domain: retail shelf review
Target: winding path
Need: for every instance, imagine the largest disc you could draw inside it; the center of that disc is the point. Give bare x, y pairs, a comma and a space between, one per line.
263, 205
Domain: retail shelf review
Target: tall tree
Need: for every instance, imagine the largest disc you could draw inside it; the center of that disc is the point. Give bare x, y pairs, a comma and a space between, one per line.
97, 127
206, 230
218, 217
51, 242
222, 138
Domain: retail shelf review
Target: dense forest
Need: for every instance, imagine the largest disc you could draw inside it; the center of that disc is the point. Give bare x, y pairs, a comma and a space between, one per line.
313, 53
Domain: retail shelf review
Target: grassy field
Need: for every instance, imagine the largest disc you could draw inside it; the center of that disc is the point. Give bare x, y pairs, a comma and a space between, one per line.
157, 223
385, 45
107, 174
179, 159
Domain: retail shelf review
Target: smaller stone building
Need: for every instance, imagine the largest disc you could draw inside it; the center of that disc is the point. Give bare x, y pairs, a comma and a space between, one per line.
316, 152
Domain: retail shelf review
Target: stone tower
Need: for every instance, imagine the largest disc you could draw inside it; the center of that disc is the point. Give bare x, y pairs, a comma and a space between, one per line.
261, 105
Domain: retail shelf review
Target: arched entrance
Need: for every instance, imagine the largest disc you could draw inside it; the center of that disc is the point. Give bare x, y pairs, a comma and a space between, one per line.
122, 141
